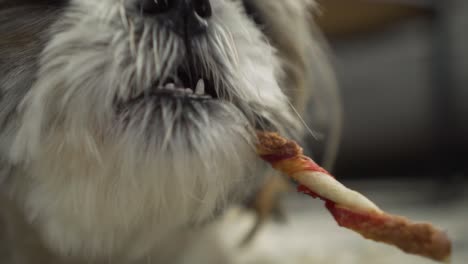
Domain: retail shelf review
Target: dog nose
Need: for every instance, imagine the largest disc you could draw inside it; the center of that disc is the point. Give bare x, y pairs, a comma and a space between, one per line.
185, 17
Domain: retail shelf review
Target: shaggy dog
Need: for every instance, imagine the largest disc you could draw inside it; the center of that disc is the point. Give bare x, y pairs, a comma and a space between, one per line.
126, 125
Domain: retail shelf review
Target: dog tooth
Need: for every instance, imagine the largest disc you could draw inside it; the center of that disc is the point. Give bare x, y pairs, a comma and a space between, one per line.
170, 86
181, 90
189, 91
200, 88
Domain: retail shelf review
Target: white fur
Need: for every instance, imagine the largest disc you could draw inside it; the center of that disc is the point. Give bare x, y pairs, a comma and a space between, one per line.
98, 188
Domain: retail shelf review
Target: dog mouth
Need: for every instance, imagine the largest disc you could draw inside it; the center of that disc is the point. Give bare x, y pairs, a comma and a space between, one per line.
185, 83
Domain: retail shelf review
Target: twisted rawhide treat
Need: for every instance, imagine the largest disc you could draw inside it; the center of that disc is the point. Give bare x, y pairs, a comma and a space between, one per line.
349, 208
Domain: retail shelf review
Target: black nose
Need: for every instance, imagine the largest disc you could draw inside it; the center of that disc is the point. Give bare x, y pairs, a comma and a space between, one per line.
185, 17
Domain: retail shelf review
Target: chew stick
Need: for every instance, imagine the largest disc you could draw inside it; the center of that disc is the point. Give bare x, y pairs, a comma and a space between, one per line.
349, 208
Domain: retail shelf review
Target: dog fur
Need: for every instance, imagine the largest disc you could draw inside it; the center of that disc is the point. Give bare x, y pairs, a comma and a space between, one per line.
91, 181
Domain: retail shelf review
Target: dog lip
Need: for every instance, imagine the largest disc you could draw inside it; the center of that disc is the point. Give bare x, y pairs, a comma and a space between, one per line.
177, 89
174, 90
189, 78
170, 90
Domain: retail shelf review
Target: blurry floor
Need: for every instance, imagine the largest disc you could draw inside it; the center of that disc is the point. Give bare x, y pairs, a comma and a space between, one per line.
311, 235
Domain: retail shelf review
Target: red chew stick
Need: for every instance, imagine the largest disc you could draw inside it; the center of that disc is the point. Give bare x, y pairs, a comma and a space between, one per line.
393, 230
351, 209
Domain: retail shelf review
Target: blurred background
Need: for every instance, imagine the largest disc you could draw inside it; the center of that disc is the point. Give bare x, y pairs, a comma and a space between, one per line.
402, 68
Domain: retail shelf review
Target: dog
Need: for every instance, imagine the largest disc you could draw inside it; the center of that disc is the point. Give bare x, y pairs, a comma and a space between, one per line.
127, 124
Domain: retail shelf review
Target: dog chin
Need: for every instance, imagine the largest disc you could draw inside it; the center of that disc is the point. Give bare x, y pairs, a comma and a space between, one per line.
115, 158
122, 194
101, 179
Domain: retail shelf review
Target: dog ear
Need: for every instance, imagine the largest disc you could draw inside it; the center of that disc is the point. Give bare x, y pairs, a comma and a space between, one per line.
285, 23
308, 78
324, 106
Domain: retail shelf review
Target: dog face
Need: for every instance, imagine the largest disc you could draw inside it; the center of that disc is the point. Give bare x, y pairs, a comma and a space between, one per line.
124, 121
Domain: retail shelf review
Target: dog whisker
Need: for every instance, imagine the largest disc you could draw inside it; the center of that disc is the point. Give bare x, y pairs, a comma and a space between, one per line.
314, 134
